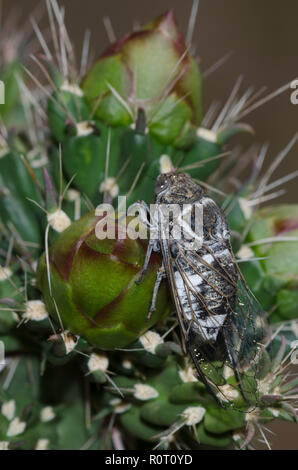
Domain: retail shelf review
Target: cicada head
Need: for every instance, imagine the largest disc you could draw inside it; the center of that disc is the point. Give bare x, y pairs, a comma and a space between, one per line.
176, 188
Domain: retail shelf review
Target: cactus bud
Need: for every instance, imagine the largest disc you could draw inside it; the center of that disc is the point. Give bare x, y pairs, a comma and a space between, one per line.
149, 70
92, 285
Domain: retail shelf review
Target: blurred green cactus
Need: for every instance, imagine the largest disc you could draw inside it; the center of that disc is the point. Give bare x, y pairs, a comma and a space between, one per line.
85, 367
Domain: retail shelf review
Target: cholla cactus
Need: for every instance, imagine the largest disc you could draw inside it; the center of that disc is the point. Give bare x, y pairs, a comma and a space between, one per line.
81, 353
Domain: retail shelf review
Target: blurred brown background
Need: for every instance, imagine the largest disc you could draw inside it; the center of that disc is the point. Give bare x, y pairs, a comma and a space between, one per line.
263, 36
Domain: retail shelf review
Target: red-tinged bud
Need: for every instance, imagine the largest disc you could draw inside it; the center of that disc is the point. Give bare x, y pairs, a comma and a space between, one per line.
149, 70
93, 285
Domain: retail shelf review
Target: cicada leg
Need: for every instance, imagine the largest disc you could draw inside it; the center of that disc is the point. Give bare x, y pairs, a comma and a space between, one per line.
147, 261
161, 275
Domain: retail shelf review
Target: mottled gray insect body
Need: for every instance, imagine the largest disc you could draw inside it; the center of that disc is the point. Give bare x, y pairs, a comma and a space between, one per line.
214, 307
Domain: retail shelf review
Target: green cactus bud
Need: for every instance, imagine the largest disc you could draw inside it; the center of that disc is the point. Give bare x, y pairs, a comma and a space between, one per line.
94, 286
149, 70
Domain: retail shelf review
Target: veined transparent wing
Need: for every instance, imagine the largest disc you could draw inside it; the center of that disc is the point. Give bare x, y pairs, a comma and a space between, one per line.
226, 344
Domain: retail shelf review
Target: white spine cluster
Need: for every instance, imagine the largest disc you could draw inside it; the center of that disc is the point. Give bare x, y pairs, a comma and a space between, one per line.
246, 208
47, 414
144, 392
4, 445
150, 340
84, 129
127, 364
72, 195
8, 409
35, 311
227, 392
42, 444
59, 221
110, 186
166, 165
72, 88
120, 406
245, 252
70, 341
188, 375
16, 427
207, 134
5, 273
193, 415
98, 362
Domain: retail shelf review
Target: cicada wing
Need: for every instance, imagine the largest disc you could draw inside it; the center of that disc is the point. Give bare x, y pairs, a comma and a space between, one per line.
230, 362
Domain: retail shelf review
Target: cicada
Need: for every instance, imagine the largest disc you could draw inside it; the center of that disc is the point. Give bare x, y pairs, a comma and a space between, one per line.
222, 324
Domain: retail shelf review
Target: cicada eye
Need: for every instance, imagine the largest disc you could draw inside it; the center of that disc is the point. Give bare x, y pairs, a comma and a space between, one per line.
161, 185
